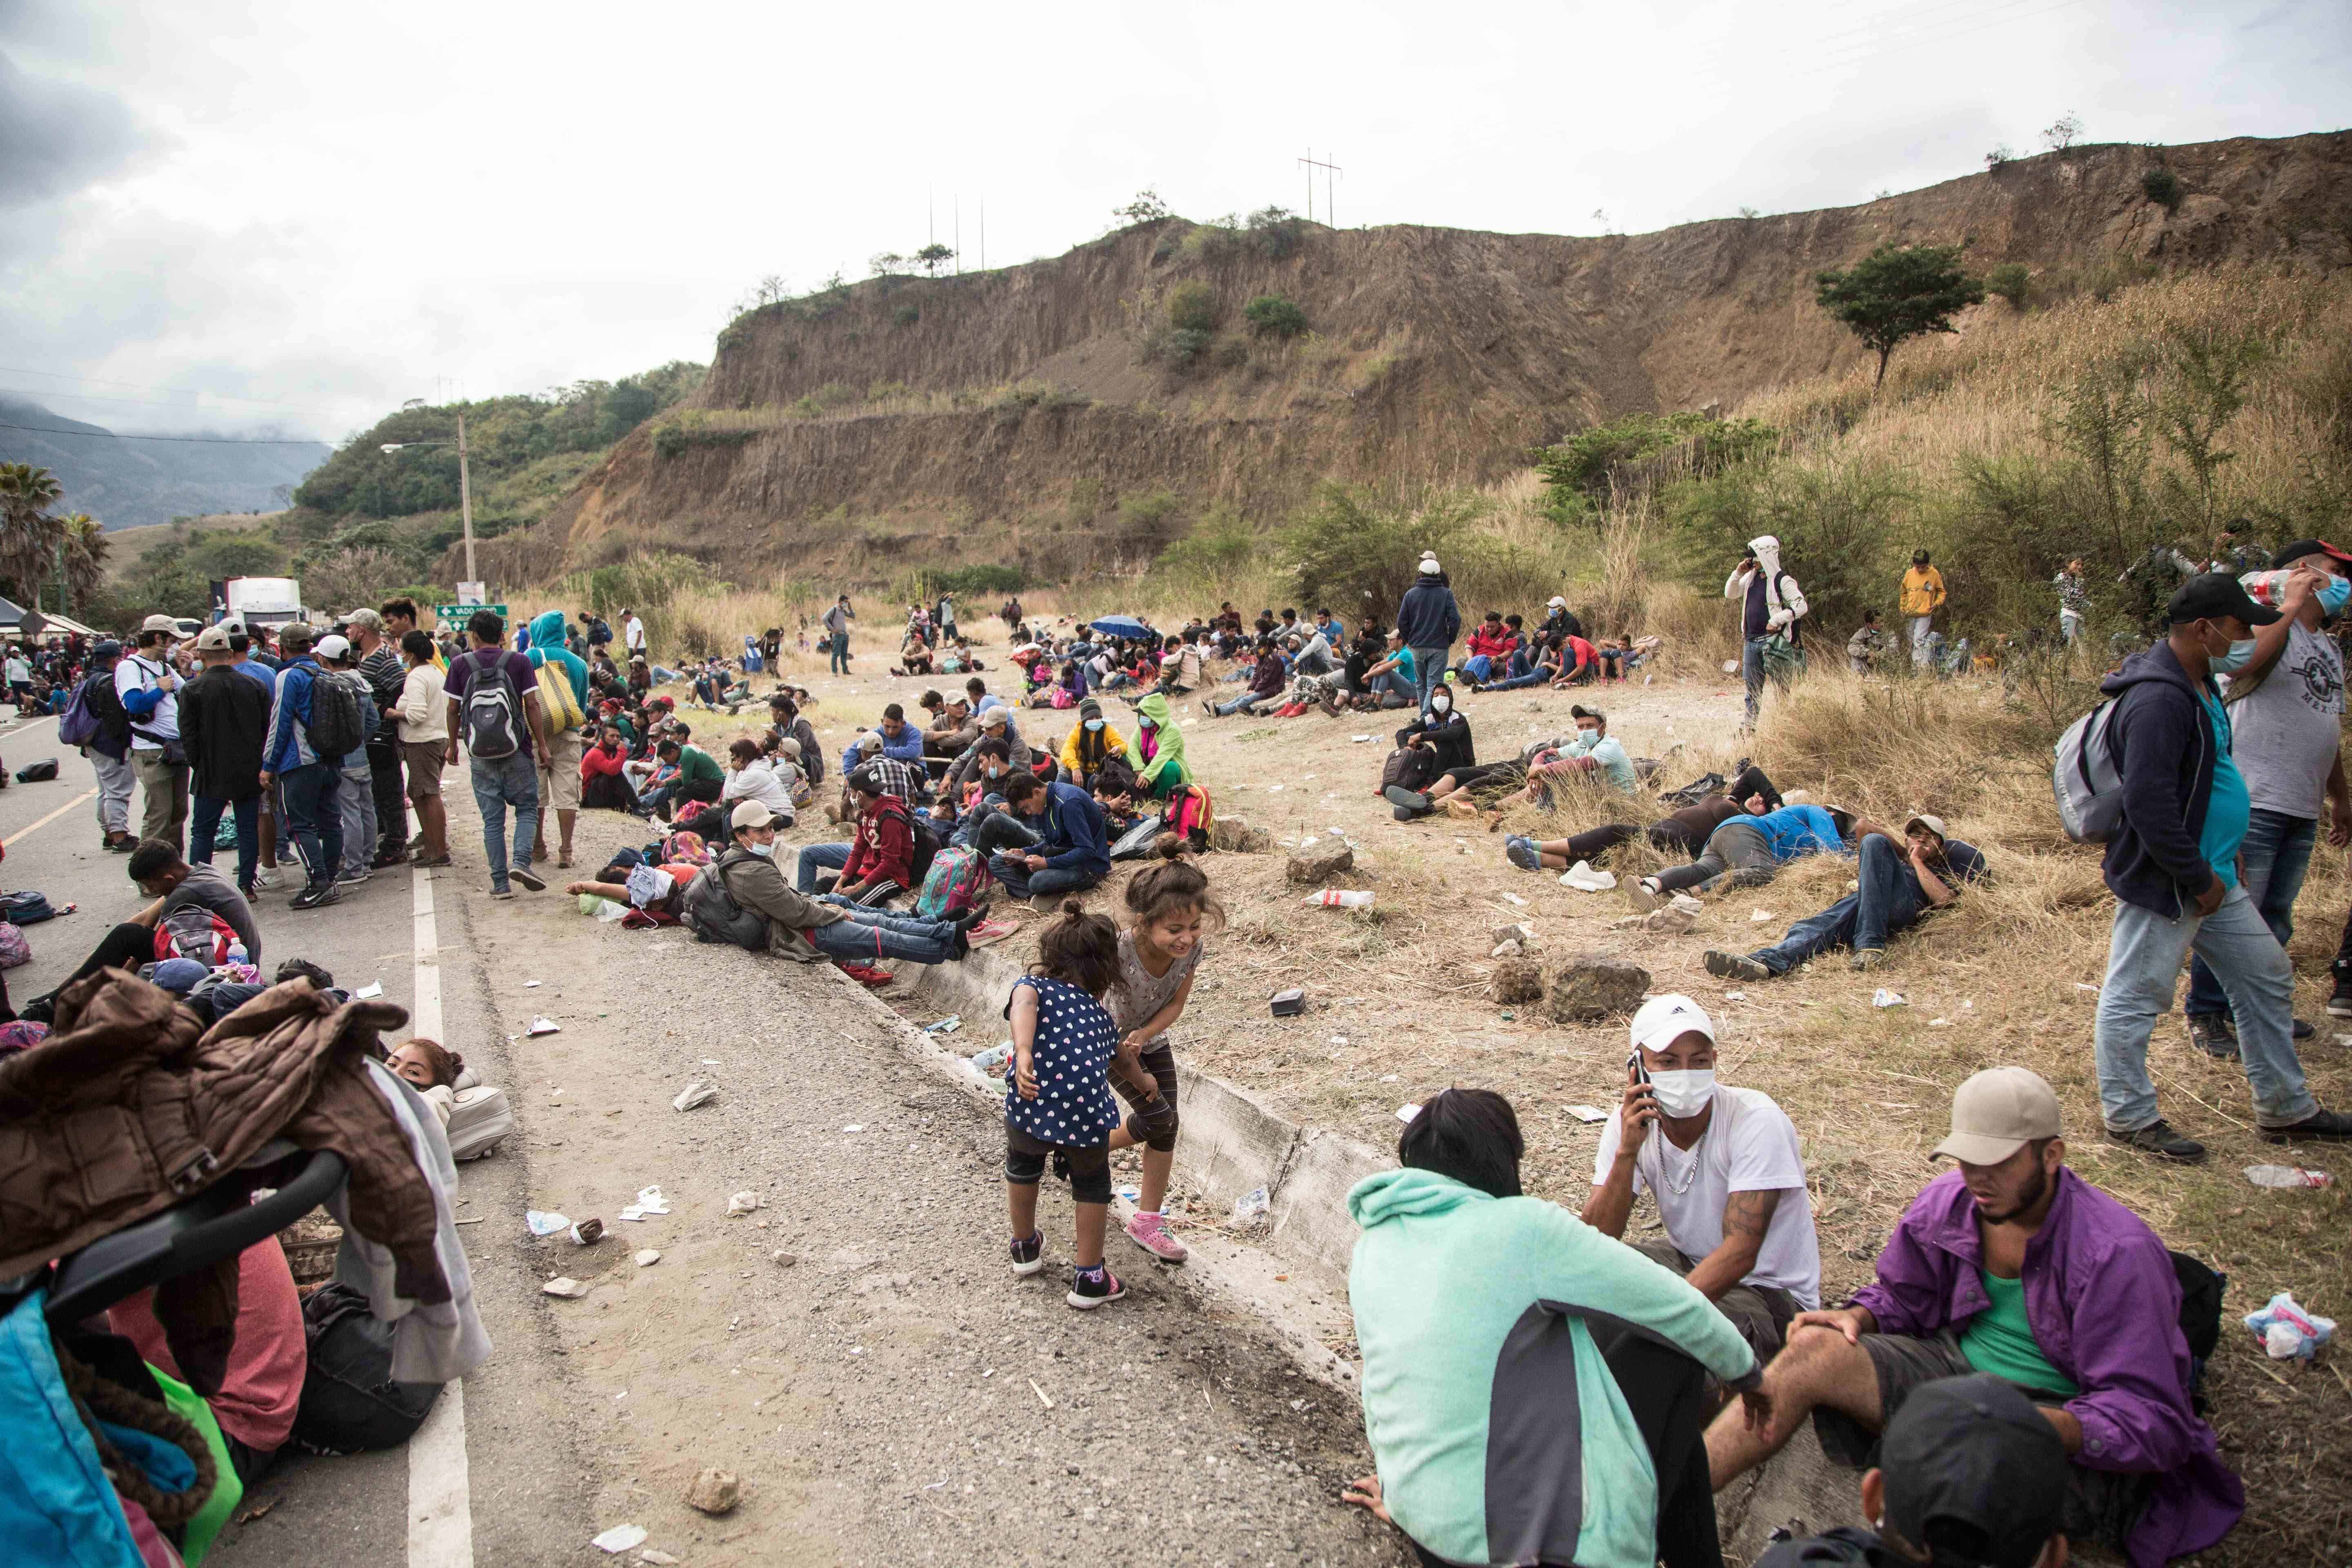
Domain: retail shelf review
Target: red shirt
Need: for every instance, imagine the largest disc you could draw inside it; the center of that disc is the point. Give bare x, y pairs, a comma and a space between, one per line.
266, 1365
884, 846
1495, 643
1580, 654
596, 760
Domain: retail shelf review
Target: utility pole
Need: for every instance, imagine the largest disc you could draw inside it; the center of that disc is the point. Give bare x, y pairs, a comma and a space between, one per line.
466, 499
1310, 184
955, 210
1314, 163
984, 233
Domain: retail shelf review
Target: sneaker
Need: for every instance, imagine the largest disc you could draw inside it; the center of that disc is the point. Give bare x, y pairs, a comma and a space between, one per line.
2215, 1034
1149, 1232
2305, 1029
389, 859
1866, 959
1086, 1294
531, 879
315, 896
499, 893
353, 878
1029, 1253
1521, 851
987, 932
1410, 803
2319, 1124
266, 878
2340, 1005
2158, 1138
1644, 894
1734, 966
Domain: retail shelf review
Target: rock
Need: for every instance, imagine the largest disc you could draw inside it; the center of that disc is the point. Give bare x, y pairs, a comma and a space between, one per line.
1315, 871
1517, 980
1505, 950
1236, 835
742, 1203
659, 1558
699, 1092
1586, 987
1520, 931
648, 1257
1667, 920
781, 1258
570, 1289
715, 1491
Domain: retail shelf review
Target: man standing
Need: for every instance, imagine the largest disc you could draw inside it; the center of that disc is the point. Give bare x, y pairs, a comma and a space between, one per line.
108, 750
493, 697
308, 786
836, 628
2073, 599
1428, 621
1772, 605
224, 723
633, 633
148, 685
381, 667
1923, 595
558, 777
2174, 869
2286, 712
355, 795
1725, 1169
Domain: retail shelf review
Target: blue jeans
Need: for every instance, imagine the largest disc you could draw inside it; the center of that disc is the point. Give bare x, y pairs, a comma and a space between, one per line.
1524, 673
1428, 674
1478, 666
2144, 958
314, 818
204, 825
1020, 882
1239, 705
498, 785
1888, 901
864, 935
991, 827
2278, 852
815, 858
1391, 685
1751, 671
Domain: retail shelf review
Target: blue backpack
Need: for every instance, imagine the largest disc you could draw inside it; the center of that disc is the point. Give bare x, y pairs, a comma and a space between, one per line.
79, 726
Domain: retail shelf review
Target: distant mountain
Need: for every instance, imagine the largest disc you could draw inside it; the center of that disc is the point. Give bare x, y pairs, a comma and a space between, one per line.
130, 481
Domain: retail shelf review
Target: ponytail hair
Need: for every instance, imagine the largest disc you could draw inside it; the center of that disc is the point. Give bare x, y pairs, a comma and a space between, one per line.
1172, 884
1080, 950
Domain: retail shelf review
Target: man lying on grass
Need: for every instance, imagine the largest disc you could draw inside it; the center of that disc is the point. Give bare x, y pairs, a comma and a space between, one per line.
2013, 1265
1893, 888
1749, 851
1682, 832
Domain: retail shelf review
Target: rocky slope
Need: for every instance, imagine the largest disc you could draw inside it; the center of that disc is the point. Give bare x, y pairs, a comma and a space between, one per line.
1023, 415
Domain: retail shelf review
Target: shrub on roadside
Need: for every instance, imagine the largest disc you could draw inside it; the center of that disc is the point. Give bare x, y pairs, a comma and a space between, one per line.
1275, 316
1191, 307
2010, 281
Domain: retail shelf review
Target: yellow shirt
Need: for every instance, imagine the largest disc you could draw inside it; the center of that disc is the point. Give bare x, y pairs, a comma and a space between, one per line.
1923, 591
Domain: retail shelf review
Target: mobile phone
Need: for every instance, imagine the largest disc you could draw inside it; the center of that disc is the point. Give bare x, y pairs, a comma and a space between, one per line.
1640, 1073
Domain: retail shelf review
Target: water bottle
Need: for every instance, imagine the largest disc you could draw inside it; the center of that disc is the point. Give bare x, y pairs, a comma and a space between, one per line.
994, 1059
236, 952
2287, 1176
1338, 898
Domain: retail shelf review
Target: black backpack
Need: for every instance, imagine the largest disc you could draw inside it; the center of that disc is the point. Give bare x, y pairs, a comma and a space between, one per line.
2200, 1319
350, 1400
926, 843
337, 729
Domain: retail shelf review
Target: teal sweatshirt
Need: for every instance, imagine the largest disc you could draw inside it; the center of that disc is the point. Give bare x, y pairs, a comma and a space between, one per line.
1471, 1311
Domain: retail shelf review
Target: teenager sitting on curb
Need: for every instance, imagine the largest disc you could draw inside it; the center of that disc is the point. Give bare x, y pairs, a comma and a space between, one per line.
878, 863
1893, 888
1682, 832
2013, 1265
766, 915
1724, 1167
1748, 851
1533, 1391
2173, 866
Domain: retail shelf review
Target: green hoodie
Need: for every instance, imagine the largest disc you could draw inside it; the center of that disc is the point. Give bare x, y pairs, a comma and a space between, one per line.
1471, 1313
1166, 772
547, 643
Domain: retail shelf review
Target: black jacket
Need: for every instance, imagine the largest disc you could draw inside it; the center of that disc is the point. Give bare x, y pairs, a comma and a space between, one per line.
1448, 737
1429, 618
223, 725
2163, 745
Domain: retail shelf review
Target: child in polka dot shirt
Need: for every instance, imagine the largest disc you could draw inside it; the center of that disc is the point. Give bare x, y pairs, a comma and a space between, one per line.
1064, 1044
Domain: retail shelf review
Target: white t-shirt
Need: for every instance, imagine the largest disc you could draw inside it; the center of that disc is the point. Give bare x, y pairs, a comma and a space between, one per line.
1749, 1147
137, 672
634, 630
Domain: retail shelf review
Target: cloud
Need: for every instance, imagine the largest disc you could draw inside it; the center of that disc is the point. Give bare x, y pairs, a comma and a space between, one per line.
60, 136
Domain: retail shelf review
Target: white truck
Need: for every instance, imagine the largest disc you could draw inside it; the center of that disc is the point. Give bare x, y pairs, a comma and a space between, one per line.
264, 601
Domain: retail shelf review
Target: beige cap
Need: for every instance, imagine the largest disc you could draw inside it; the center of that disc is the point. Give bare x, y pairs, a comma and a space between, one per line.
870, 741
1934, 825
788, 747
1999, 1112
160, 624
212, 639
995, 717
751, 814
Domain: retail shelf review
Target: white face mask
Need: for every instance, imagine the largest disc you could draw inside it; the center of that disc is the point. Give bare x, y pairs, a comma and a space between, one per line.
1439, 702
1683, 1093
764, 851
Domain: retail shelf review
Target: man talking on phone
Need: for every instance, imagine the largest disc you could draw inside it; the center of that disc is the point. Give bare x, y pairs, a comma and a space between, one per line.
1724, 1166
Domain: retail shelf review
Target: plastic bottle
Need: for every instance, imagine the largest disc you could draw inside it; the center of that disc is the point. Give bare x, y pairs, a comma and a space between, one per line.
994, 1060
2287, 1176
1338, 898
236, 952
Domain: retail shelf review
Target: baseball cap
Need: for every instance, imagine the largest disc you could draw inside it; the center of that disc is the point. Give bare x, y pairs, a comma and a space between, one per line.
1997, 1112
233, 625
1429, 565
2212, 594
1555, 603
1662, 1020
1973, 1451
2303, 547
789, 748
995, 717
750, 814
297, 634
333, 646
107, 648
870, 741
160, 624
1933, 824
1579, 711
212, 639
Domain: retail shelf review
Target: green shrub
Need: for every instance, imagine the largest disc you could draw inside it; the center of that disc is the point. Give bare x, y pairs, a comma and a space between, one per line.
907, 315
1276, 232
1358, 547
1583, 469
1275, 316
975, 580
1191, 307
672, 438
2010, 281
2162, 187
1233, 352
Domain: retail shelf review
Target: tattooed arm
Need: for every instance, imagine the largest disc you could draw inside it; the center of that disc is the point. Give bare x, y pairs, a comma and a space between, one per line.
1746, 1217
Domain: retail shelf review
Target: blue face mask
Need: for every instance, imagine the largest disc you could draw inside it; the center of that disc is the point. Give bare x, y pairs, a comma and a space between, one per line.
2333, 597
2241, 654
1094, 724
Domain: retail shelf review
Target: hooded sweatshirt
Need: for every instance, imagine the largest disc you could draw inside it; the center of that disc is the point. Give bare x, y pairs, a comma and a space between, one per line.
547, 648
1429, 618
1499, 1432
1771, 590
1161, 747
2162, 739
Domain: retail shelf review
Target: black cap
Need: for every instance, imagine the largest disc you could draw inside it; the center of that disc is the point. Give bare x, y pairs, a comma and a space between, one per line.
2303, 547
2213, 596
1580, 712
1973, 1451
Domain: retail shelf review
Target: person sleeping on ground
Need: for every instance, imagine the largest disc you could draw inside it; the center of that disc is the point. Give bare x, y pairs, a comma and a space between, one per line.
1682, 832
1895, 886
1748, 851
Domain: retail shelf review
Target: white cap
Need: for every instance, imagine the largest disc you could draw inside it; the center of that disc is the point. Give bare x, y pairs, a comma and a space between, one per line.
1662, 1020
1556, 603
1934, 825
1429, 565
750, 814
332, 646
160, 624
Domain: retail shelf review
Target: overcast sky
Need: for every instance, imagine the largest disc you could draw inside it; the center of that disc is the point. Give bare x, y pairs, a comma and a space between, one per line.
223, 217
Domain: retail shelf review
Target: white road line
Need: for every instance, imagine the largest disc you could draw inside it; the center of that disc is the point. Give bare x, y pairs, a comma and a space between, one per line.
82, 798
440, 1500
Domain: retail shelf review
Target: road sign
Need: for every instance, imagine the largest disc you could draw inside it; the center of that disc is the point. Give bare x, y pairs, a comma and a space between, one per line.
455, 615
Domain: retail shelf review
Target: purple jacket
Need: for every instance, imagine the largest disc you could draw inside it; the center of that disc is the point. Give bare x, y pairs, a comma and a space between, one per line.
2104, 1307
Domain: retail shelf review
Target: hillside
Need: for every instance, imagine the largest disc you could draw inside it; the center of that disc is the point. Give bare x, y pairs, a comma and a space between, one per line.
1059, 409
134, 482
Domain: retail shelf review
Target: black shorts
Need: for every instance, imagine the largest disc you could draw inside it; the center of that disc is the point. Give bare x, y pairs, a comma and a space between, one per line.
1160, 1063
2101, 1506
1025, 1164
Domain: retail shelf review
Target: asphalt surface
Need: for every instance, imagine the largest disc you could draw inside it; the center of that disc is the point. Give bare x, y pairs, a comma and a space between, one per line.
892, 1393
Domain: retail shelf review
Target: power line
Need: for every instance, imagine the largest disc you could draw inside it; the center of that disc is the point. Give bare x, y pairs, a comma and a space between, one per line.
115, 436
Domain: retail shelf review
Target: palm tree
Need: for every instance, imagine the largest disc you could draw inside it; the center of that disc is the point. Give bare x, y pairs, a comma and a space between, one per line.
29, 534
86, 551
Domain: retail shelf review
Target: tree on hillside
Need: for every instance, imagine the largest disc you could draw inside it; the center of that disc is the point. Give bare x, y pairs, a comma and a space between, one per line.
29, 534
2062, 132
933, 257
1147, 207
86, 551
1899, 291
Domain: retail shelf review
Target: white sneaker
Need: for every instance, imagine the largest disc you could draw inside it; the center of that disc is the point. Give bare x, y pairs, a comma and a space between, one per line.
266, 877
